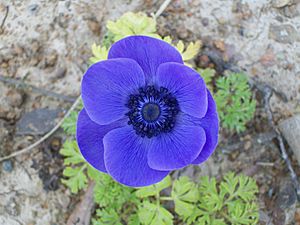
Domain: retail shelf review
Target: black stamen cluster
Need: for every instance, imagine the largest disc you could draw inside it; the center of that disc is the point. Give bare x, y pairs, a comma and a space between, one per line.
167, 104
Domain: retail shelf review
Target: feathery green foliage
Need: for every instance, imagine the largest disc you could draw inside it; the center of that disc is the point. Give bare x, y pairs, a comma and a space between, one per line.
209, 202
99, 53
234, 101
230, 201
152, 214
207, 74
75, 177
132, 24
69, 125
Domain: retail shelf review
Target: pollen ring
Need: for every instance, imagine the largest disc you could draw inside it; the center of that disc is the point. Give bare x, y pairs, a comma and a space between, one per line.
152, 111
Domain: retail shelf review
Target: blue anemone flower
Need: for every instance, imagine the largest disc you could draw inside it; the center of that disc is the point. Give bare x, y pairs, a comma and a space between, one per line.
145, 113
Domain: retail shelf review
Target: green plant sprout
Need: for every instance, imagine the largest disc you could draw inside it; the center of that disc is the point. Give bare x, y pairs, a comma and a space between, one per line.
231, 200
234, 101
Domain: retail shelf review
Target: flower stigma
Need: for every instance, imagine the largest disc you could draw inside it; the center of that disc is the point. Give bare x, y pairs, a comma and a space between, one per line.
152, 111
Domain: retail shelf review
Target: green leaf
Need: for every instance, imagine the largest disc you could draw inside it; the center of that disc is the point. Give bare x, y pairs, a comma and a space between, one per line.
153, 189
191, 50
132, 24
218, 222
185, 194
109, 193
99, 53
239, 186
107, 216
207, 74
240, 200
234, 101
71, 153
185, 190
134, 219
94, 174
243, 213
210, 198
151, 214
69, 125
76, 179
74, 173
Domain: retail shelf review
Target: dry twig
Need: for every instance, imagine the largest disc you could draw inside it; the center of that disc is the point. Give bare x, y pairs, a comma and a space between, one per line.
267, 95
5, 17
23, 86
82, 213
162, 8
27, 149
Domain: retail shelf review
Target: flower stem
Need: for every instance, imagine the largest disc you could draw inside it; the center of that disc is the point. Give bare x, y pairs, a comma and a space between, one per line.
165, 198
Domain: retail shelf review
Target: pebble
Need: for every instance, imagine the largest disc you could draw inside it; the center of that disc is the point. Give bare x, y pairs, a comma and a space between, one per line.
286, 203
37, 122
290, 129
7, 166
15, 98
285, 33
60, 72
33, 8
12, 208
205, 22
55, 144
51, 59
281, 3
247, 145
291, 11
219, 44
94, 26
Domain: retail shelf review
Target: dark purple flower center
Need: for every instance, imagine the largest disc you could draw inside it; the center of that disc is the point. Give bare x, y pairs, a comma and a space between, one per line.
152, 111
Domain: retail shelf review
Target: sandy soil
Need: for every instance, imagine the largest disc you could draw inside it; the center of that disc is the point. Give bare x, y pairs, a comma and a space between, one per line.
46, 44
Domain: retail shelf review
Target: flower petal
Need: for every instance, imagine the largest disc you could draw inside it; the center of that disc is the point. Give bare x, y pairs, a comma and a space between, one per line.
147, 51
125, 158
89, 138
210, 124
106, 86
174, 150
186, 85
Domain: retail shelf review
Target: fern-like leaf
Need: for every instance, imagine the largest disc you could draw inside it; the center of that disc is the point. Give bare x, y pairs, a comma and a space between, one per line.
234, 101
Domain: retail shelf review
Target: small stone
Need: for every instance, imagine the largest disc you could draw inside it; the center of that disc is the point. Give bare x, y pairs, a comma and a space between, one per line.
35, 46
12, 208
15, 98
51, 59
268, 58
290, 11
285, 33
94, 26
55, 144
204, 61
7, 166
247, 145
18, 50
297, 216
281, 3
290, 129
33, 8
10, 100
285, 203
60, 72
220, 45
205, 22
63, 20
37, 122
